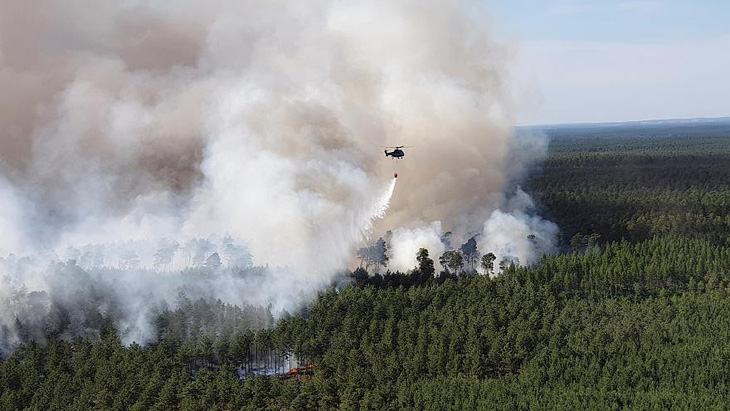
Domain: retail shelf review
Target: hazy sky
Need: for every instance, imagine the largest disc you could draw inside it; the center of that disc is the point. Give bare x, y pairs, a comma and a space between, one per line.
603, 60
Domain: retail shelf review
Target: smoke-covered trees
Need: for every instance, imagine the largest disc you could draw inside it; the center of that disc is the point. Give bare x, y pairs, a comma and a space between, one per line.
422, 273
128, 260
166, 250
90, 256
236, 255
487, 263
452, 260
508, 262
426, 268
229, 252
198, 249
470, 253
375, 256
213, 261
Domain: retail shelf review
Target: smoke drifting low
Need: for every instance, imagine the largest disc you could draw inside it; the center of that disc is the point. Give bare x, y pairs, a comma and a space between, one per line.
258, 120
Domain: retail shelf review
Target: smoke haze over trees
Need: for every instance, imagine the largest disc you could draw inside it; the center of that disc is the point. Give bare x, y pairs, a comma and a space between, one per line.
136, 135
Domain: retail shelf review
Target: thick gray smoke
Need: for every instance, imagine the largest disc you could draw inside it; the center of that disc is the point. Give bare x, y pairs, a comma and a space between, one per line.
263, 121
505, 223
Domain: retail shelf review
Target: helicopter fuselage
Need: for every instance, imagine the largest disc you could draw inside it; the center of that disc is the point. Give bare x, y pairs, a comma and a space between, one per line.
397, 153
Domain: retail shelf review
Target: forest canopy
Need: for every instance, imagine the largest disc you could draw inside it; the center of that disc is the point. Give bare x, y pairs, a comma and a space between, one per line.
633, 312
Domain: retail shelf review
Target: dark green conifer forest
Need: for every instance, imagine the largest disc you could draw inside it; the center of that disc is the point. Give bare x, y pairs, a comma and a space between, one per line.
632, 313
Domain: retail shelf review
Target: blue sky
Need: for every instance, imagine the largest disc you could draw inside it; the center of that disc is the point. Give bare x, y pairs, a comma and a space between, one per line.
602, 60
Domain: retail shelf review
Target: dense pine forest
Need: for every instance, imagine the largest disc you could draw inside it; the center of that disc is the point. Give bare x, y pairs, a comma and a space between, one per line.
633, 312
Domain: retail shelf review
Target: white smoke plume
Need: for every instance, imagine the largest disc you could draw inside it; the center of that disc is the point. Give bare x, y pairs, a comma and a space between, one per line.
127, 122
405, 243
515, 234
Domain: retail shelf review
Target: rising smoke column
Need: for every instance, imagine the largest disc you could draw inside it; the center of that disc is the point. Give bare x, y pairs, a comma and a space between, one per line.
127, 120
261, 120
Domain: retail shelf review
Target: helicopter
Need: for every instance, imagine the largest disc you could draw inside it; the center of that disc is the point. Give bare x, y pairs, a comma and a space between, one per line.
397, 152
